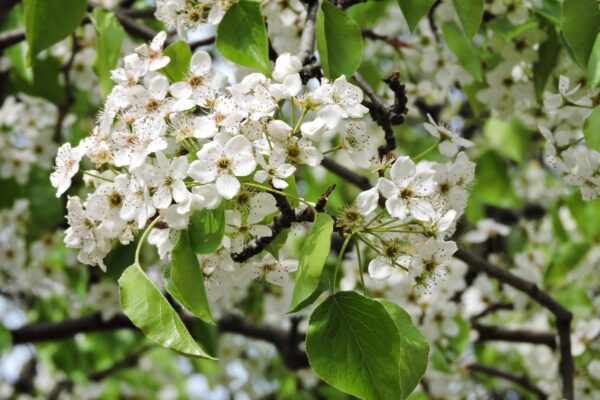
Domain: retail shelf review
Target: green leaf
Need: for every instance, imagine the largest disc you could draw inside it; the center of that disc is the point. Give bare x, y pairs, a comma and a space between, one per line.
109, 38
353, 344
148, 309
414, 10
339, 41
314, 254
591, 129
462, 49
547, 58
242, 37
188, 279
206, 230
580, 25
45, 81
180, 55
470, 13
593, 70
48, 22
414, 348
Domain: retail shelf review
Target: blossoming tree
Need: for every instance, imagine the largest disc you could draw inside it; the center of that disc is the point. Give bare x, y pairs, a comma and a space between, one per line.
300, 199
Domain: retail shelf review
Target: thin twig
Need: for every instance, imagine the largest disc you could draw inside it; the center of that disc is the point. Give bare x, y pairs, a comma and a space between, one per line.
307, 40
521, 380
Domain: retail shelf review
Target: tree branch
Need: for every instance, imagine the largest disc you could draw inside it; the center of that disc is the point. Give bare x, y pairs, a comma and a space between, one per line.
286, 342
492, 333
562, 315
284, 220
521, 380
11, 37
307, 40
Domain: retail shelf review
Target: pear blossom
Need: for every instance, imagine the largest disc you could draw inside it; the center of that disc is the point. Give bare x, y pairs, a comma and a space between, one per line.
409, 190
221, 162
66, 166
450, 142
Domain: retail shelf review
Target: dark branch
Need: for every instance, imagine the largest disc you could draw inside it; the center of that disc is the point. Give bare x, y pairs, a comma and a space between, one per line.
493, 333
288, 215
11, 37
133, 27
392, 41
383, 115
562, 315
521, 380
285, 341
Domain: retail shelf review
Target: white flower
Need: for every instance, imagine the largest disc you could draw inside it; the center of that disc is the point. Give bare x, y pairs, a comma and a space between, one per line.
106, 203
585, 332
83, 233
486, 228
223, 163
244, 232
133, 146
338, 100
407, 193
428, 262
66, 166
449, 140
381, 268
138, 204
153, 54
168, 179
275, 171
275, 271
199, 85
302, 151
367, 201
359, 143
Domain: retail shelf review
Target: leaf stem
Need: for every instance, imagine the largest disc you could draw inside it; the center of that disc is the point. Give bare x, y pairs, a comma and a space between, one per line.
98, 176
426, 151
143, 239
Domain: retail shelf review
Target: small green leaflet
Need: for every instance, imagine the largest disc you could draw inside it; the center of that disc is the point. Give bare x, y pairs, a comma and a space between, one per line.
148, 309
206, 230
49, 21
339, 41
109, 38
180, 55
314, 254
470, 13
462, 49
580, 24
593, 70
242, 37
188, 279
591, 129
353, 344
414, 10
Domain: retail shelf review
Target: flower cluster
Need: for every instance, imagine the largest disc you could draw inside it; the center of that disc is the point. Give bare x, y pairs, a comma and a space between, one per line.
565, 149
28, 126
423, 202
165, 149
